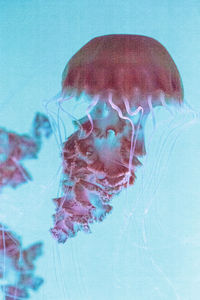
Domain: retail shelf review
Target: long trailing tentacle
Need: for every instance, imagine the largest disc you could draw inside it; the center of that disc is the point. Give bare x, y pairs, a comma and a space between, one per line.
88, 110
115, 107
134, 113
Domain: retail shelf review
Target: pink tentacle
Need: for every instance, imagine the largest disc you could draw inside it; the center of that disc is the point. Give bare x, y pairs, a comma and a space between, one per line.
88, 110
115, 107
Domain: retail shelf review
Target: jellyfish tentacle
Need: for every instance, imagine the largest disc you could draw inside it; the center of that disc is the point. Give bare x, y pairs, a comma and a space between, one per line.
53, 123
128, 109
88, 110
138, 126
149, 101
115, 107
164, 104
60, 102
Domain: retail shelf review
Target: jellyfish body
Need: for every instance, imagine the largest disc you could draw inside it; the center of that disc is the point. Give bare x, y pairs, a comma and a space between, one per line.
124, 77
17, 266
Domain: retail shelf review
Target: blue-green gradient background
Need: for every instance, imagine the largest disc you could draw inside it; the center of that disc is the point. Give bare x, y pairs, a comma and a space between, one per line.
149, 247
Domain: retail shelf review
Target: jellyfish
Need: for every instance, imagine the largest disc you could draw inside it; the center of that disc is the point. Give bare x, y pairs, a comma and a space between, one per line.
17, 266
15, 147
124, 77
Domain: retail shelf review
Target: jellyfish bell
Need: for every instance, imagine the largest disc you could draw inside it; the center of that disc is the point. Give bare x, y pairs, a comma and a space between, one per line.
128, 66
122, 78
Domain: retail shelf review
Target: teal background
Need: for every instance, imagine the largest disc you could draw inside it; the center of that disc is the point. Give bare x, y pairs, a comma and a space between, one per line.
149, 247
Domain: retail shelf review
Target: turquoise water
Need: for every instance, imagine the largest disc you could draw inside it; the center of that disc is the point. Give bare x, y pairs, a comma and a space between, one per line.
148, 248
